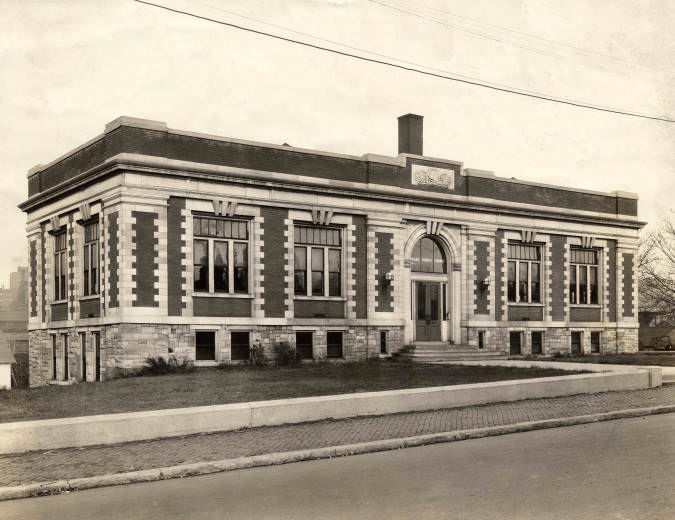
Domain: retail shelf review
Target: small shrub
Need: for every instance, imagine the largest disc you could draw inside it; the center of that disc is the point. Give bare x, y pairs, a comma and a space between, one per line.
286, 353
257, 354
157, 366
20, 370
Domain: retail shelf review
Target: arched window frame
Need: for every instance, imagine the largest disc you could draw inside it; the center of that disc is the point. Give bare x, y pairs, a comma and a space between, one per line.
416, 264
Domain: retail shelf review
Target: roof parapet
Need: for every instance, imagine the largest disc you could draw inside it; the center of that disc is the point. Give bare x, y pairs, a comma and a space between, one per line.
625, 194
136, 122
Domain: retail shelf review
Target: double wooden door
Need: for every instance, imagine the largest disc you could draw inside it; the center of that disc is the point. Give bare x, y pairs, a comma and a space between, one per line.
428, 311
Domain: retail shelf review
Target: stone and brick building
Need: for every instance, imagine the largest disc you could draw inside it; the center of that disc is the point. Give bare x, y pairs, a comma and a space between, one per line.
149, 241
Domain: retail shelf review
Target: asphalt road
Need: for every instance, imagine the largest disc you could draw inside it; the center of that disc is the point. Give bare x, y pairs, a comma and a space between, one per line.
611, 470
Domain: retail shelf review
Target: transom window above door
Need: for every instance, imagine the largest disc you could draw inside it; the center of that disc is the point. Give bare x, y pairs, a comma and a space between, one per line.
428, 257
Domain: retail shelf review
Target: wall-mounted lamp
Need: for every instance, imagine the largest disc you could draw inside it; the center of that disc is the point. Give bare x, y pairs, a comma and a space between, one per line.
485, 282
389, 276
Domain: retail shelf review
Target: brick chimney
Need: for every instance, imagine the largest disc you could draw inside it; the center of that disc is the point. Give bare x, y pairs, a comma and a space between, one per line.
410, 134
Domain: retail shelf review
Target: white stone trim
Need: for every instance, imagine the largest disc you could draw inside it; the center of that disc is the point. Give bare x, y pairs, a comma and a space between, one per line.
373, 272
289, 262
258, 275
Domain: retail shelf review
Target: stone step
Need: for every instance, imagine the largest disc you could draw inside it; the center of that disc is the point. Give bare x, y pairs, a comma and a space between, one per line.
448, 355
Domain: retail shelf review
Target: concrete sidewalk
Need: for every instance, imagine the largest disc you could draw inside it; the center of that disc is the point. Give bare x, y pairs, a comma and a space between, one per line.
73, 463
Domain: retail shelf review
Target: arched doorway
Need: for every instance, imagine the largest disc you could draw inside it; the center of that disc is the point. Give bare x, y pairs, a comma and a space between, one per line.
429, 275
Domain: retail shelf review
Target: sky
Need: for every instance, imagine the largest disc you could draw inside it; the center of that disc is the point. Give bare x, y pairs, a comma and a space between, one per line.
70, 66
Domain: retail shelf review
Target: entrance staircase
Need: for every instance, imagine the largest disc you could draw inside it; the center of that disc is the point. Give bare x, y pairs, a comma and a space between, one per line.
438, 352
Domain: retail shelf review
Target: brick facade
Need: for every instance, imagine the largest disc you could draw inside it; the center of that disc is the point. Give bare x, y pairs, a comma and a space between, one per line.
379, 207
481, 264
174, 255
144, 262
384, 264
274, 261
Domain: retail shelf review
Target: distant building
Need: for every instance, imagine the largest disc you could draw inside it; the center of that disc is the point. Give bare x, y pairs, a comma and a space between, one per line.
14, 324
6, 362
149, 241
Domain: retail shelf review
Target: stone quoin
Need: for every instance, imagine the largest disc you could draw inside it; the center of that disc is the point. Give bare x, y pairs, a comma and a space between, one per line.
150, 241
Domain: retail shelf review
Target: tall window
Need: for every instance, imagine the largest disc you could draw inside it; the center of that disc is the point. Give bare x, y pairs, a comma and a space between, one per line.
220, 255
60, 267
318, 261
524, 273
83, 351
583, 276
90, 274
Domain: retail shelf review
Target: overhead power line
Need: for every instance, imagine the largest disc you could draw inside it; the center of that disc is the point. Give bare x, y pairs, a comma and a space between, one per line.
414, 67
423, 11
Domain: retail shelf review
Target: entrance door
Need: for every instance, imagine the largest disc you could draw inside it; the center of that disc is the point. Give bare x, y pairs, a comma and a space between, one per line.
428, 323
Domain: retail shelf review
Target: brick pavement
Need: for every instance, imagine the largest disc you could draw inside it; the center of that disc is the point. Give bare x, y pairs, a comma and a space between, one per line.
68, 463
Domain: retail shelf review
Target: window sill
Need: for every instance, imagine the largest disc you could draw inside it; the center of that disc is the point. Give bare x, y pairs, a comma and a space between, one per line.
205, 363
90, 297
522, 304
57, 302
328, 298
221, 295
585, 306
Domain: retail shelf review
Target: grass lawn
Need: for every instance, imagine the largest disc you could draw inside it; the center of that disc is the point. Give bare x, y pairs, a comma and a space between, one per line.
208, 386
662, 359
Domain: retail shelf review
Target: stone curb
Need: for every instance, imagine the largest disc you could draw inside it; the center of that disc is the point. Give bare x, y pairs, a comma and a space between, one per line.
273, 459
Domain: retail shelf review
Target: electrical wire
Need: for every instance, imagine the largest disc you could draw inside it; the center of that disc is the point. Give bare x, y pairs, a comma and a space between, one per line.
568, 46
502, 40
447, 76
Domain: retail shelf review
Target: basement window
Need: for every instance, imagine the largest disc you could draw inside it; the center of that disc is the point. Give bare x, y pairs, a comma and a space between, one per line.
240, 346
334, 344
205, 342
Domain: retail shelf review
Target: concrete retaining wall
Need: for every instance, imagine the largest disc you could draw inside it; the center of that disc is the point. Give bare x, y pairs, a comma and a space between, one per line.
126, 427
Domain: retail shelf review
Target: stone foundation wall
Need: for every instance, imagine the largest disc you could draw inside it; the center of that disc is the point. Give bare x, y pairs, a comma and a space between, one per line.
124, 347
557, 339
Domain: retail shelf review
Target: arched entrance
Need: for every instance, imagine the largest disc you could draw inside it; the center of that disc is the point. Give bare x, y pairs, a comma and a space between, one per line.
429, 291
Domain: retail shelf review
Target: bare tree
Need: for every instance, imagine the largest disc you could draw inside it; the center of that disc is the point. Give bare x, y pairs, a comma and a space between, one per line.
656, 267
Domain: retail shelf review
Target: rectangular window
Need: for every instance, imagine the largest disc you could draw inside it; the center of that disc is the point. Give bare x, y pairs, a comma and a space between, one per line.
524, 273
240, 347
303, 344
54, 357
334, 344
205, 345
83, 347
383, 342
201, 265
537, 342
91, 272
514, 343
221, 277
240, 267
66, 375
595, 342
60, 266
320, 249
512, 282
334, 270
300, 270
317, 272
575, 340
481, 339
97, 348
583, 278
220, 255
